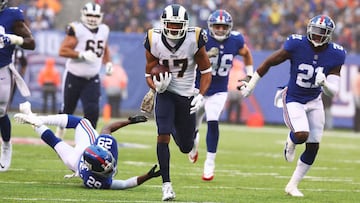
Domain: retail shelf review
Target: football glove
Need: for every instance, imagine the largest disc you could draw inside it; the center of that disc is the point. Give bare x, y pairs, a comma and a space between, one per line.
88, 55
4, 41
213, 52
196, 103
147, 104
247, 87
152, 173
137, 119
320, 79
163, 83
108, 68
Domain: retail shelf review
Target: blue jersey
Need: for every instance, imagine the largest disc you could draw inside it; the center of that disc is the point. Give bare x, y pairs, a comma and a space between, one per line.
222, 63
92, 180
7, 19
305, 63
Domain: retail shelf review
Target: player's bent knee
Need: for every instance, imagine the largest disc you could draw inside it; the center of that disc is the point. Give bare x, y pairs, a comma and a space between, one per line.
310, 153
301, 137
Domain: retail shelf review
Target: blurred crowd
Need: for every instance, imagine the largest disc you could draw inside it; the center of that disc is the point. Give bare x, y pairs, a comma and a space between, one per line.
264, 23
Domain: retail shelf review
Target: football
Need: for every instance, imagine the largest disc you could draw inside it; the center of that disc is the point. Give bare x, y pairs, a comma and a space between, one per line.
156, 70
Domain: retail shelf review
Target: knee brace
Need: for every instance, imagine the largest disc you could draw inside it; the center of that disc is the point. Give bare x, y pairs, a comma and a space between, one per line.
308, 156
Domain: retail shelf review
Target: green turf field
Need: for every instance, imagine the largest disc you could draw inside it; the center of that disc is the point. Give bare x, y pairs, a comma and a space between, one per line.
249, 168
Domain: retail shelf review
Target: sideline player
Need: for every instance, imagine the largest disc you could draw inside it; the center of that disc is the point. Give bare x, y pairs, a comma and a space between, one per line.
182, 49
315, 69
94, 157
223, 45
13, 32
86, 47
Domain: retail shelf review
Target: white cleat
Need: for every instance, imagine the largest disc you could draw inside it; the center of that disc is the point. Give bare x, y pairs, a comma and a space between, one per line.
168, 192
293, 191
289, 150
29, 119
60, 132
209, 168
25, 108
6, 153
194, 153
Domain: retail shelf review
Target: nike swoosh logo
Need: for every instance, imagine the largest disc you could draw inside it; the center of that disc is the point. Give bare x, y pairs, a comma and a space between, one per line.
2, 166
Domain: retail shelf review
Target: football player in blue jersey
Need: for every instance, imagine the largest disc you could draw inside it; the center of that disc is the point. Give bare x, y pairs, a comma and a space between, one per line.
94, 157
222, 46
315, 64
182, 49
13, 32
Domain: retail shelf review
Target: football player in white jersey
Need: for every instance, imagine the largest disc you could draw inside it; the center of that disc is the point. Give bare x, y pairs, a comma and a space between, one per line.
182, 49
86, 47
13, 32
315, 65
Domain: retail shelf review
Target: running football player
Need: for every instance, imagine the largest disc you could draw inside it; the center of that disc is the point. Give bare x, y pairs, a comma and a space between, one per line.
13, 32
315, 64
182, 49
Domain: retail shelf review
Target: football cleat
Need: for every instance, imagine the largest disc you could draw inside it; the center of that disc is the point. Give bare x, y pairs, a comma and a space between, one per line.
194, 153
292, 190
6, 153
25, 108
209, 168
168, 192
289, 150
29, 119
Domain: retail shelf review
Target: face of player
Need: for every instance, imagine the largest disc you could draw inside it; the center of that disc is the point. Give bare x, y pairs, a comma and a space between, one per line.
174, 27
220, 29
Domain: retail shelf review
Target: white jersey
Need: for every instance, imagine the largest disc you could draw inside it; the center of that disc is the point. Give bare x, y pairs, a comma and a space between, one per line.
88, 40
180, 58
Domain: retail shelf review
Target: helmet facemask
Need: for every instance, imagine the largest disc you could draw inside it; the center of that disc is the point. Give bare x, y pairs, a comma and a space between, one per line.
91, 15
3, 4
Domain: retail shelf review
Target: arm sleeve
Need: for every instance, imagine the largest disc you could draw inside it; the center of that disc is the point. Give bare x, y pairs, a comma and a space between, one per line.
124, 184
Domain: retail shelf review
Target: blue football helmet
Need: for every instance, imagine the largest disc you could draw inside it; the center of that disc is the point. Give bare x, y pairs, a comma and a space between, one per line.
3, 4
99, 160
220, 17
320, 29
174, 14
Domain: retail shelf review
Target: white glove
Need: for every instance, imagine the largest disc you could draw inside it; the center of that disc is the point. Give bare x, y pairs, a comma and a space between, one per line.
247, 87
15, 39
88, 56
213, 52
320, 79
108, 68
163, 83
4, 41
196, 103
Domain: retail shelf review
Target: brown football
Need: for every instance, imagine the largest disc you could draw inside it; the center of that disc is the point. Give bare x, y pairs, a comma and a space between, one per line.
156, 70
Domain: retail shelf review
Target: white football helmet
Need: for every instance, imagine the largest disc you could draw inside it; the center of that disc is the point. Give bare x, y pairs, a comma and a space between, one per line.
320, 29
174, 14
91, 15
3, 4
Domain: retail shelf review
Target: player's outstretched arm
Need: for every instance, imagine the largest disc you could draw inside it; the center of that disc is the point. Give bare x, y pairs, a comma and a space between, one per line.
135, 181
112, 127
